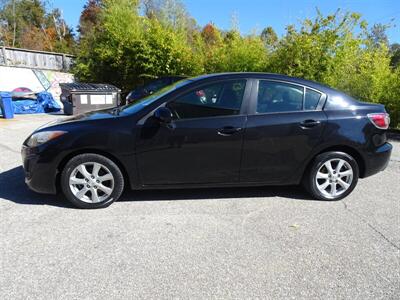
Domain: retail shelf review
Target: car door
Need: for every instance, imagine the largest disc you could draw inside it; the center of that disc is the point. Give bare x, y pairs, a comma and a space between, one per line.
203, 144
285, 123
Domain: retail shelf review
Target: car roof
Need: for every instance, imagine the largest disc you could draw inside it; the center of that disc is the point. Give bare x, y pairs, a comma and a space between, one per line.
274, 76
170, 77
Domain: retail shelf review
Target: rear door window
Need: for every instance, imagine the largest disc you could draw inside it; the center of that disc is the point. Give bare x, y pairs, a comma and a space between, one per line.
279, 97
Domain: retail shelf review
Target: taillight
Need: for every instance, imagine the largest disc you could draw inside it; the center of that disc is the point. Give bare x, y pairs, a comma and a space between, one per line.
380, 120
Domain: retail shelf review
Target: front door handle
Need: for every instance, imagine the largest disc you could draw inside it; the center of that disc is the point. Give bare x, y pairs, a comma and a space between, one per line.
228, 130
309, 123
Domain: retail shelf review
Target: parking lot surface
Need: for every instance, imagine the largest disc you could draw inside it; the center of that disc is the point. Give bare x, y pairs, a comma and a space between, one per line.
268, 242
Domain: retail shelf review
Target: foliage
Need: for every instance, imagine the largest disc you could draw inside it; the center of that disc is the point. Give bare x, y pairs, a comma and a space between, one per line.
395, 55
90, 17
128, 48
28, 24
327, 50
377, 34
269, 37
170, 13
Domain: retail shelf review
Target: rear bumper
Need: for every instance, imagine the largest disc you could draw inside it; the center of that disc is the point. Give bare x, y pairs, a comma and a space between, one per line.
39, 176
378, 160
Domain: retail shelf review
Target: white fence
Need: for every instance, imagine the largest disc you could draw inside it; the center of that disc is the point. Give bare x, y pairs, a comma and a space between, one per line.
17, 57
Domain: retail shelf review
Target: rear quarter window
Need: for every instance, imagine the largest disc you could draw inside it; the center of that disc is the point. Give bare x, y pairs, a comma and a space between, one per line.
311, 99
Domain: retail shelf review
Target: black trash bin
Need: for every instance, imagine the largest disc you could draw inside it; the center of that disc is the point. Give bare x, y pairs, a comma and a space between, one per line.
78, 98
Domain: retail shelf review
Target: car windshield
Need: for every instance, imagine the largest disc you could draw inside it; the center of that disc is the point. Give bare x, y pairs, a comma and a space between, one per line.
143, 102
156, 85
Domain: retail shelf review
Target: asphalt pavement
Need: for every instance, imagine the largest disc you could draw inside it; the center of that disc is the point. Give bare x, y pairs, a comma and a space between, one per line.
233, 243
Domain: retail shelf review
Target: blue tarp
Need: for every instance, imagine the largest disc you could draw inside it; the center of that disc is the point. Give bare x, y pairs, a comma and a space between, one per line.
44, 103
47, 101
27, 107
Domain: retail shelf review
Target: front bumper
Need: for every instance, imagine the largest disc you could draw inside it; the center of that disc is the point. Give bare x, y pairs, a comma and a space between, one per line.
40, 176
378, 160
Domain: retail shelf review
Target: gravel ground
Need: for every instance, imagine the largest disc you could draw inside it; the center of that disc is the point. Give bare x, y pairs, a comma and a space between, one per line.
270, 242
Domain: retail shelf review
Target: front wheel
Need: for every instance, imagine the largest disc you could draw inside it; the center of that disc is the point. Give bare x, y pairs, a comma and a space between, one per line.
332, 176
91, 181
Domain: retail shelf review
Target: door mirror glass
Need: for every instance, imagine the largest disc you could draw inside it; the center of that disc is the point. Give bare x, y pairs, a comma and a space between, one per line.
163, 114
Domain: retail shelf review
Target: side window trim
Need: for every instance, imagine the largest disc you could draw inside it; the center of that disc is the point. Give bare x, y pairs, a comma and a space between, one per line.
254, 97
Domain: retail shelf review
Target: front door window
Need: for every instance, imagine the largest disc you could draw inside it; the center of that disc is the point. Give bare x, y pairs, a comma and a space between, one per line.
218, 99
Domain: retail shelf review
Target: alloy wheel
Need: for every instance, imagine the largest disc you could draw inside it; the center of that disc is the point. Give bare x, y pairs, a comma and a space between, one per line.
91, 182
334, 178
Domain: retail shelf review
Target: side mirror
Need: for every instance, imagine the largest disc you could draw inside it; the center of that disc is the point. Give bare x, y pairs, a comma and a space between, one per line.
163, 114
148, 91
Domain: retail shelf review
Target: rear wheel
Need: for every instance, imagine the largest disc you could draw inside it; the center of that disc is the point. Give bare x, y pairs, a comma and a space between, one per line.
92, 181
332, 176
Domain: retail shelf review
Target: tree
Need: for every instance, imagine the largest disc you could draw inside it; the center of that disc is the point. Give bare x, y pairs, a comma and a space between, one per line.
269, 37
28, 24
90, 17
328, 50
168, 12
378, 35
126, 49
58, 34
243, 54
395, 55
211, 35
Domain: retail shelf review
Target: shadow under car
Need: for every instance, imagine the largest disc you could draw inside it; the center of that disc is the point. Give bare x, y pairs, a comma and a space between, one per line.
13, 188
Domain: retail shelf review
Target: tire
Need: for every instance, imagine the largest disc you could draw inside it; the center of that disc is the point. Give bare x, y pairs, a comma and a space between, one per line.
331, 185
91, 181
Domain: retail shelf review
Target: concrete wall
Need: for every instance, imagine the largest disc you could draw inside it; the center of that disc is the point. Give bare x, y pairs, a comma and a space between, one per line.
35, 59
14, 77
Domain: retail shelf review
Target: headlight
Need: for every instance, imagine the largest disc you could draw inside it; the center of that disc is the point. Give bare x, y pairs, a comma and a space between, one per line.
42, 137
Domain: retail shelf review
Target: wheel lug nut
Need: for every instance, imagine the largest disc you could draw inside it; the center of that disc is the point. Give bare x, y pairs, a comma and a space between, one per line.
92, 177
95, 186
97, 181
88, 186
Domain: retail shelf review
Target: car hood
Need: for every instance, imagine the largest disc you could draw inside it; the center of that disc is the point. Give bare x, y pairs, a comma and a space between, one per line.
89, 116
93, 115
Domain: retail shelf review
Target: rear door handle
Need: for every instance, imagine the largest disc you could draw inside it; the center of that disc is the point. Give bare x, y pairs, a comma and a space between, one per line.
309, 123
228, 130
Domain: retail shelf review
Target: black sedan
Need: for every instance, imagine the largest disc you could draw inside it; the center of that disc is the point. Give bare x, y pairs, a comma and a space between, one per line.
220, 130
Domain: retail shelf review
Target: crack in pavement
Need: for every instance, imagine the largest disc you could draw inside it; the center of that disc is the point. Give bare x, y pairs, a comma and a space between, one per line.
370, 226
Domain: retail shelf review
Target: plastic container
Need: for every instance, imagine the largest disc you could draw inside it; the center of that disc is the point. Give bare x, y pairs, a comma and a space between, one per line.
6, 105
